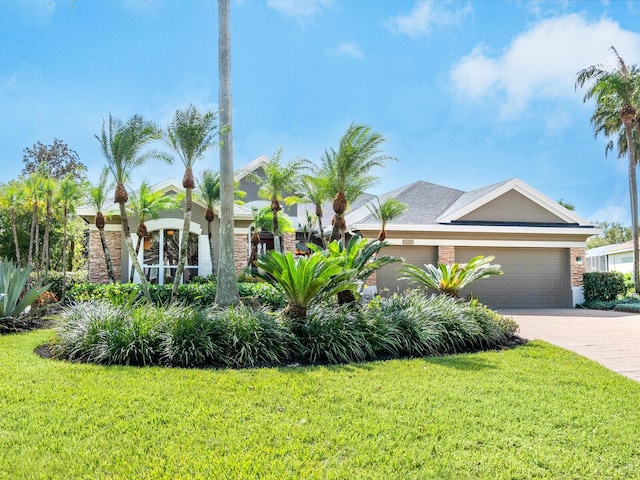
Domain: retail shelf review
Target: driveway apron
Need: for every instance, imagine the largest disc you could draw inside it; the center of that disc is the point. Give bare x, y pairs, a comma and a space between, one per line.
610, 338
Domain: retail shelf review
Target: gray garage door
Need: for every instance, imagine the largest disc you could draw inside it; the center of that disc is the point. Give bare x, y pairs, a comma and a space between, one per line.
387, 277
533, 277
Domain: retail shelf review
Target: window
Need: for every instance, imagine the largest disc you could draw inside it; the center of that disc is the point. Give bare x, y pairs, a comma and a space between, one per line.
161, 255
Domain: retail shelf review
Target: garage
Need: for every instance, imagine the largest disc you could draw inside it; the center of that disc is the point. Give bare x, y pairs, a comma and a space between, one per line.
533, 277
387, 277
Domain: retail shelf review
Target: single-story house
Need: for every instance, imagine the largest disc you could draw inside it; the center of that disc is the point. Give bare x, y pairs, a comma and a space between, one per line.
611, 258
539, 244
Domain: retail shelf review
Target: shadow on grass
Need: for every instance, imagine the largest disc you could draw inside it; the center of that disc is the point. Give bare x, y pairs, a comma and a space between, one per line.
469, 363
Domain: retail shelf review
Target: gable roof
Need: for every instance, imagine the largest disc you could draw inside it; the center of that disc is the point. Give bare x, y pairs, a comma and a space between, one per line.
251, 167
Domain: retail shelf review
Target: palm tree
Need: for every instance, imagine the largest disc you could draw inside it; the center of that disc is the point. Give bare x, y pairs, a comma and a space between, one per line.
69, 193
313, 189
227, 291
278, 179
49, 186
33, 185
97, 196
148, 204
348, 170
121, 145
616, 93
190, 135
11, 196
387, 210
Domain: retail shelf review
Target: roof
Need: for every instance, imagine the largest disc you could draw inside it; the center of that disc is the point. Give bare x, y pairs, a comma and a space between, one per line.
610, 249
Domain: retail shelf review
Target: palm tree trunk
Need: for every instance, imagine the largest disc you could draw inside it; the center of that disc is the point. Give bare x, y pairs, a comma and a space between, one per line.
138, 244
46, 258
64, 254
32, 234
184, 243
132, 254
15, 233
227, 292
633, 193
276, 232
322, 239
212, 251
107, 255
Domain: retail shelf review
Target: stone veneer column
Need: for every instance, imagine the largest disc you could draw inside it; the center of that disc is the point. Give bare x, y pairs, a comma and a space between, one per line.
241, 251
577, 269
446, 254
97, 263
371, 281
289, 242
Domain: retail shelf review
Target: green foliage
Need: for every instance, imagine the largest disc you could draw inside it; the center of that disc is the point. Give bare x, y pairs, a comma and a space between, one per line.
55, 280
15, 293
628, 307
612, 233
450, 279
603, 286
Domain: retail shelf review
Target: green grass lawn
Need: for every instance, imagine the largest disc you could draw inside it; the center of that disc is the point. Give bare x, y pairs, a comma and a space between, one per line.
533, 412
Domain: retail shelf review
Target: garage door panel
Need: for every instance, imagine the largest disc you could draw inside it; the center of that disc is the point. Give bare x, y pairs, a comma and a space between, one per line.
533, 277
387, 277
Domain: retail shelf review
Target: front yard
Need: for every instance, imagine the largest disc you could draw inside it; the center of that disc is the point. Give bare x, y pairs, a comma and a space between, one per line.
533, 412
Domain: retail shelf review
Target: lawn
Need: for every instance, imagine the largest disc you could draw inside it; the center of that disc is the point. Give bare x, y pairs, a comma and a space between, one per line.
533, 412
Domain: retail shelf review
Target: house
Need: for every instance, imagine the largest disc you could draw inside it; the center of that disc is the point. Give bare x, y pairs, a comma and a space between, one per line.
539, 244
611, 258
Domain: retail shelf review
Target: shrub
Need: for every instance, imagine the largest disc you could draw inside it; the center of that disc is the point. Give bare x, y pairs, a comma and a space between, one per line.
15, 293
603, 286
55, 280
628, 307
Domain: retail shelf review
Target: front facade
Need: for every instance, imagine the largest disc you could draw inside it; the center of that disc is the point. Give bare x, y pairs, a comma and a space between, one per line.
539, 244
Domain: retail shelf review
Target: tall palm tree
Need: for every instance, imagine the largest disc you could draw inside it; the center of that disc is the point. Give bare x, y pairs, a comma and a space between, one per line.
148, 204
227, 291
11, 195
97, 197
348, 170
122, 145
278, 180
190, 135
50, 187
617, 93
386, 210
313, 189
33, 186
68, 195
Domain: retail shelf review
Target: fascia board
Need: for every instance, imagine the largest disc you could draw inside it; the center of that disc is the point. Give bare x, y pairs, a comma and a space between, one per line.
448, 228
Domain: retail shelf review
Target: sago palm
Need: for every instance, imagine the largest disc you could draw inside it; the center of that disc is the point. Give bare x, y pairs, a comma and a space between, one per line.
122, 145
190, 135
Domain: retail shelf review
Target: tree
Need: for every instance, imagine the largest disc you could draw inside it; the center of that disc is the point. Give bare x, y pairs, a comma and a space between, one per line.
278, 180
97, 197
11, 195
263, 220
227, 291
148, 204
348, 170
616, 95
56, 160
34, 190
312, 188
190, 135
387, 210
122, 147
68, 195
50, 187
612, 233
566, 204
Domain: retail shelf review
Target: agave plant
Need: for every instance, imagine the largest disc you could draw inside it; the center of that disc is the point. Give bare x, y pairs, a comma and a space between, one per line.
450, 279
305, 280
15, 296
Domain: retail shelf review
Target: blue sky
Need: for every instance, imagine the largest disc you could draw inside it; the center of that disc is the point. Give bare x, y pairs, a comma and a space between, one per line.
466, 93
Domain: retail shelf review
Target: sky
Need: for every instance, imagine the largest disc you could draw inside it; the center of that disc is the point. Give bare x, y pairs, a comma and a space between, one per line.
466, 93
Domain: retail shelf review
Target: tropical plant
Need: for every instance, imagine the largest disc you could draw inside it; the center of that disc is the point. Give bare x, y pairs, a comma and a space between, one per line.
616, 93
278, 180
304, 280
612, 233
347, 171
189, 135
451, 279
50, 187
387, 210
227, 293
312, 188
69, 193
11, 195
15, 293
360, 257
97, 197
145, 204
33, 186
121, 145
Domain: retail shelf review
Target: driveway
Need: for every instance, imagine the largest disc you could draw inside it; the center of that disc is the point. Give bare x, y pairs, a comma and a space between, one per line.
610, 338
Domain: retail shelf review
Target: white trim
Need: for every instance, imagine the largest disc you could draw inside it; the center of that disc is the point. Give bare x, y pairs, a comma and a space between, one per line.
252, 166
241, 230
438, 228
172, 223
427, 242
109, 227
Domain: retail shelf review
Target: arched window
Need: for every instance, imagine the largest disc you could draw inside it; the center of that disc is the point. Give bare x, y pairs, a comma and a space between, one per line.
161, 254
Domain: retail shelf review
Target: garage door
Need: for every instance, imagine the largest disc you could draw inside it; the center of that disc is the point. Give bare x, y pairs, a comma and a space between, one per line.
387, 277
533, 277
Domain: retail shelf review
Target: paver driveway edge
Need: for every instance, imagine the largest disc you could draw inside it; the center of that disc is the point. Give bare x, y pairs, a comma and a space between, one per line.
609, 338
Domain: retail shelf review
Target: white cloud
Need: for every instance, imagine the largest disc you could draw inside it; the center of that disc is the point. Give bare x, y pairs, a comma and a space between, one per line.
426, 15
611, 214
299, 8
543, 61
348, 49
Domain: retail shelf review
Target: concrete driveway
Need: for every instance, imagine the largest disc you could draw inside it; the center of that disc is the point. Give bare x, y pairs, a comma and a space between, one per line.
610, 338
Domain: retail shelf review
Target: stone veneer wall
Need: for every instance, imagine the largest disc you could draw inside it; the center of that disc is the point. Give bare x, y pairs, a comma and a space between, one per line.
289, 242
97, 264
241, 251
577, 269
447, 254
